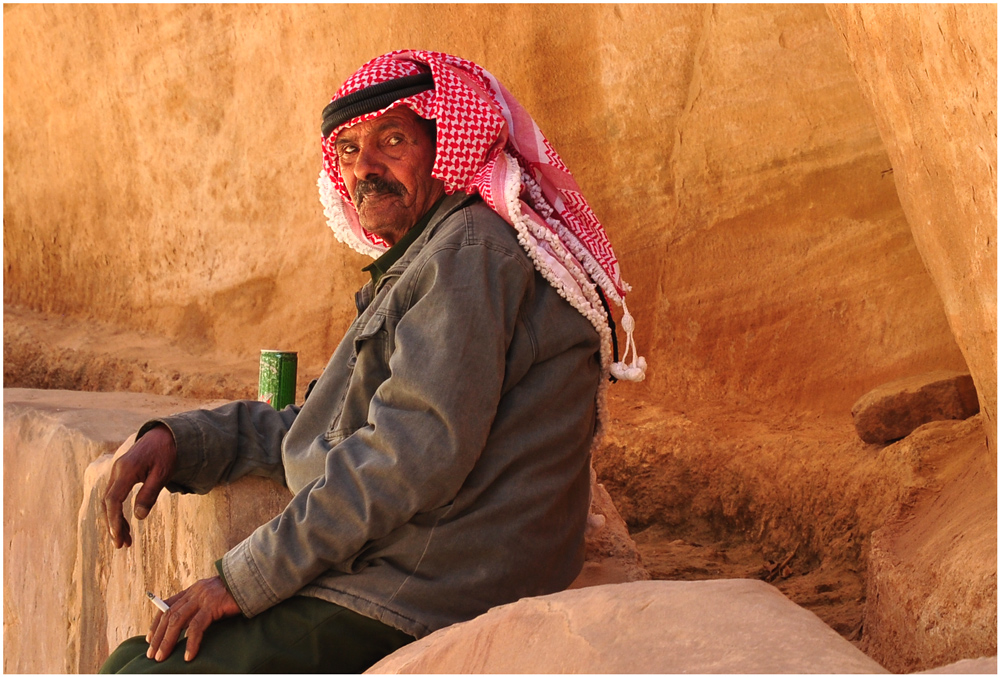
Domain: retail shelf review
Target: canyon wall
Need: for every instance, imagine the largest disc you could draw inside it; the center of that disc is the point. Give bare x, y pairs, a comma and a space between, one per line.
929, 75
160, 166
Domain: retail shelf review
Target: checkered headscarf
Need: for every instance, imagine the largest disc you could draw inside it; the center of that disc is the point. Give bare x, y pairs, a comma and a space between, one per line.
488, 144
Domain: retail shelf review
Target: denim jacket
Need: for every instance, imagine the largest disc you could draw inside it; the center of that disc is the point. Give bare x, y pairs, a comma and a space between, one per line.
440, 465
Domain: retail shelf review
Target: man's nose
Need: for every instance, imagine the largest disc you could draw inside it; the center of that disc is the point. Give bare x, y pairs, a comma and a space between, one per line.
368, 164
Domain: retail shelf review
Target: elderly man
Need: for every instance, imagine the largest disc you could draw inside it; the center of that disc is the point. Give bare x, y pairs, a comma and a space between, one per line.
440, 464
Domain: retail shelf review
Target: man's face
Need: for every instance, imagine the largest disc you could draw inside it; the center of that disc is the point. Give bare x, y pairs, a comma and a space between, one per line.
386, 164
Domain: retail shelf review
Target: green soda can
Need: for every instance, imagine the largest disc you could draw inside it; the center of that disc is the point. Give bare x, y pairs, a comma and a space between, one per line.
277, 378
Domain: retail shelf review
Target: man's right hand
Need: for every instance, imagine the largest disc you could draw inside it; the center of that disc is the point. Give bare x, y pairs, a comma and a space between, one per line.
150, 461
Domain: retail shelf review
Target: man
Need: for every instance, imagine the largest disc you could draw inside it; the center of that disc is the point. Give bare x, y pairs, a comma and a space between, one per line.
440, 465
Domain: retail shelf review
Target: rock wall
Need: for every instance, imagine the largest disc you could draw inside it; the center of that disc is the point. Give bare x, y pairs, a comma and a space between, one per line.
35, 502
932, 571
48, 444
166, 182
929, 75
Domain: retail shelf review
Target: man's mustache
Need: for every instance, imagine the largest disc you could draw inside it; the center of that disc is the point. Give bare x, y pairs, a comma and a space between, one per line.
377, 186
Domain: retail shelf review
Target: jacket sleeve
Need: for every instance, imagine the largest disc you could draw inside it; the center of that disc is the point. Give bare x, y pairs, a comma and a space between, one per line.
427, 424
218, 446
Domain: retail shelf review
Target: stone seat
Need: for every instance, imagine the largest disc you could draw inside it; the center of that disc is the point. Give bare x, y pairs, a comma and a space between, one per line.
719, 626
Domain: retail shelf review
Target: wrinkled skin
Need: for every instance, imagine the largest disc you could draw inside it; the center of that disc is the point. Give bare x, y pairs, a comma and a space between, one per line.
386, 165
193, 610
151, 461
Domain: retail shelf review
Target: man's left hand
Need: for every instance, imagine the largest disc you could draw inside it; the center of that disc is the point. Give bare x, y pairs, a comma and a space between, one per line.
193, 610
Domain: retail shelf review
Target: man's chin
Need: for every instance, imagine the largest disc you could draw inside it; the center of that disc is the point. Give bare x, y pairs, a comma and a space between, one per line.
386, 223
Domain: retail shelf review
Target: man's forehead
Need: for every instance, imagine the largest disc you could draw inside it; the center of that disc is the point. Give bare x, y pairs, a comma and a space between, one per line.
400, 117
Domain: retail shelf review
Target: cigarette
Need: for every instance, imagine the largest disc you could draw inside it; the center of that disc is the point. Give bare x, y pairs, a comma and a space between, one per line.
157, 602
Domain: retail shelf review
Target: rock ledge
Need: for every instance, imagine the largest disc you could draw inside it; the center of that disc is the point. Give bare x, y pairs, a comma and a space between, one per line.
894, 410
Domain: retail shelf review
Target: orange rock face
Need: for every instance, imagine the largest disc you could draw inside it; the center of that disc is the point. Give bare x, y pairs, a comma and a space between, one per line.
894, 410
929, 74
166, 183
932, 571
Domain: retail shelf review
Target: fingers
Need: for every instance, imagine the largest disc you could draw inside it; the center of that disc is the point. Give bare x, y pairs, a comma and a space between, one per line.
150, 461
158, 458
114, 497
193, 610
152, 627
195, 631
168, 629
148, 493
173, 603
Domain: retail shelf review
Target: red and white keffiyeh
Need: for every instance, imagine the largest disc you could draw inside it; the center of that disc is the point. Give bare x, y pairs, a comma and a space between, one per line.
488, 144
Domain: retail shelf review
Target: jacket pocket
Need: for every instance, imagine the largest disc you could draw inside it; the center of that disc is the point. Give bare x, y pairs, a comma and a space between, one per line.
368, 365
371, 338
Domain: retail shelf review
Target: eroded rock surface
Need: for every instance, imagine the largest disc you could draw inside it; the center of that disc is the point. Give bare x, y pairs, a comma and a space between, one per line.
740, 176
65, 586
50, 438
611, 556
734, 626
777, 221
932, 570
930, 75
894, 410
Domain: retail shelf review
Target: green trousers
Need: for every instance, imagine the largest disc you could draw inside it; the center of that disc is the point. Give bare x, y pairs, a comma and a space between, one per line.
301, 634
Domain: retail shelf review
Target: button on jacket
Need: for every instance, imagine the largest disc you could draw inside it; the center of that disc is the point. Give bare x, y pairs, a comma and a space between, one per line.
440, 465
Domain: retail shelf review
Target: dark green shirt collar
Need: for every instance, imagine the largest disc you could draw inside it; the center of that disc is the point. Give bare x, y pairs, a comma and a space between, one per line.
382, 264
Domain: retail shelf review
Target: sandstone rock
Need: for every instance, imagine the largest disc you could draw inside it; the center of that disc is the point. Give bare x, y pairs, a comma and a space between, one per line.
722, 626
50, 437
65, 587
930, 75
43, 468
611, 553
797, 196
830, 289
968, 666
932, 571
894, 410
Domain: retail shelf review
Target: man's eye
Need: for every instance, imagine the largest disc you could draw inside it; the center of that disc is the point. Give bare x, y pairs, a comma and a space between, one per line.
344, 151
395, 140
